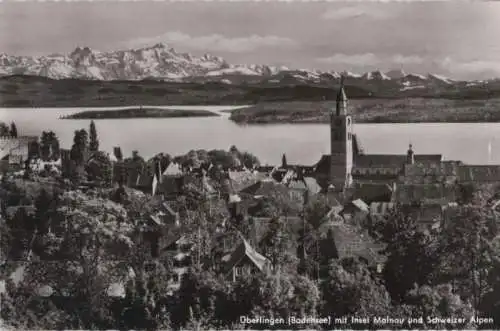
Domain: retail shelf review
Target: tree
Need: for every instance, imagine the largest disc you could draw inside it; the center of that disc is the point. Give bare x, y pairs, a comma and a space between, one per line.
490, 300
78, 155
250, 161
99, 168
80, 146
316, 211
350, 289
279, 295
412, 255
49, 146
145, 302
439, 301
43, 209
468, 253
203, 300
277, 242
4, 130
94, 142
13, 130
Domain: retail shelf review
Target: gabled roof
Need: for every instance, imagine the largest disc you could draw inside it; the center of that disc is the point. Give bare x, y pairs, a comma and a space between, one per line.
361, 205
240, 180
166, 206
352, 242
306, 184
333, 214
173, 169
312, 185
173, 236
155, 219
264, 187
323, 165
234, 198
246, 250
370, 192
144, 180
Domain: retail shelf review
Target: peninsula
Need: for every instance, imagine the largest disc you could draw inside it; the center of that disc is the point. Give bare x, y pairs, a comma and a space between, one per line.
411, 110
139, 113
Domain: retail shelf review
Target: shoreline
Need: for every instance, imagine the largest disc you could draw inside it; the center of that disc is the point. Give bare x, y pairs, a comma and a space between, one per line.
131, 113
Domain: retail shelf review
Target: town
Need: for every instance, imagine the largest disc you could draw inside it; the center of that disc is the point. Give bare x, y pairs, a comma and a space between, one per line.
95, 240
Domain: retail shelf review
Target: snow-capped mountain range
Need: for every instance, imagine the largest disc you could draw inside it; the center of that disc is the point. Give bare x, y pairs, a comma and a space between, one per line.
162, 62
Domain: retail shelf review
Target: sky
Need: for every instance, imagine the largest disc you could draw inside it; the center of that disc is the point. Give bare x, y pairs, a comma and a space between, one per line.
457, 39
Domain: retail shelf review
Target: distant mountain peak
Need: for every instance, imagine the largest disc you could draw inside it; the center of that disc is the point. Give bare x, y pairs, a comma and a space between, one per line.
376, 75
161, 45
162, 62
396, 74
440, 78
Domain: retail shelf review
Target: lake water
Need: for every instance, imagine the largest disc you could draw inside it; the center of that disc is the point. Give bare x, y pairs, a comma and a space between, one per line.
303, 143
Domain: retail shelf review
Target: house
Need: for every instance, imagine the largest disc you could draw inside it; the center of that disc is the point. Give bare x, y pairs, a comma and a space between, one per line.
302, 188
356, 209
445, 172
12, 211
17, 149
410, 194
379, 209
370, 192
351, 242
168, 215
334, 214
239, 180
428, 215
245, 260
170, 186
477, 174
179, 248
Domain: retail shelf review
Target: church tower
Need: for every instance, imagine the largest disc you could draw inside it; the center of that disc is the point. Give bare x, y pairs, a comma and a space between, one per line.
341, 151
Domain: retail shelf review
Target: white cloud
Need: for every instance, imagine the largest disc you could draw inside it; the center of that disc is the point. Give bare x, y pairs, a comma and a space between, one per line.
450, 66
354, 12
355, 59
370, 59
474, 67
216, 42
412, 59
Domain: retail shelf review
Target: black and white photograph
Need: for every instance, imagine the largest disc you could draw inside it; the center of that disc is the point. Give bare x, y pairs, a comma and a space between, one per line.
249, 165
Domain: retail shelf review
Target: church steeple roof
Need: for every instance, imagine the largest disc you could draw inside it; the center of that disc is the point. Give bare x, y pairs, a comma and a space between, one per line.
341, 96
410, 155
341, 99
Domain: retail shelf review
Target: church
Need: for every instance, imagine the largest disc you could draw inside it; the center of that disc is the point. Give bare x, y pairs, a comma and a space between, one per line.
407, 178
